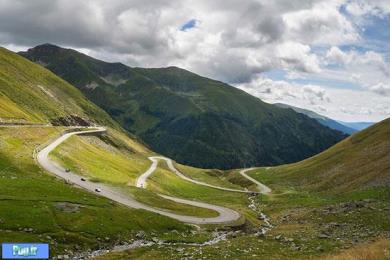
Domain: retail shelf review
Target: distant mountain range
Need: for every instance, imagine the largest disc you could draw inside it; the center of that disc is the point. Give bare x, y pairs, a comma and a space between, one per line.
357, 125
345, 127
192, 119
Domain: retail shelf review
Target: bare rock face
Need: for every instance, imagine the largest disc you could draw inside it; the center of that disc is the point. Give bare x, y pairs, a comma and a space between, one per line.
71, 120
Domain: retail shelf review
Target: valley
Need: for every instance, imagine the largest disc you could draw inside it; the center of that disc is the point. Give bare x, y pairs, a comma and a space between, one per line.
93, 186
224, 215
194, 120
308, 219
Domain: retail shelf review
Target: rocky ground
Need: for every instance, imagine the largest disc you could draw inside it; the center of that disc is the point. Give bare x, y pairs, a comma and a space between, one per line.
142, 240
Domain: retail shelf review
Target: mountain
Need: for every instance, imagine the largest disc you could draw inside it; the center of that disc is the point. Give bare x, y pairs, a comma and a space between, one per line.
192, 119
357, 125
345, 127
326, 121
360, 161
31, 94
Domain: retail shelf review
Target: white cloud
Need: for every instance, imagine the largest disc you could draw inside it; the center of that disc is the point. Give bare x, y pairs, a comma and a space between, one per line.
292, 75
360, 8
279, 91
340, 104
321, 24
296, 56
233, 41
335, 55
381, 89
369, 68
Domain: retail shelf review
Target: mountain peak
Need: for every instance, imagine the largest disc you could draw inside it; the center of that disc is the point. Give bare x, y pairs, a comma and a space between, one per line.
167, 107
46, 47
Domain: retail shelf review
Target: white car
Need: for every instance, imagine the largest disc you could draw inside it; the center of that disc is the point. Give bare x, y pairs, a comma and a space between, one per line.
98, 190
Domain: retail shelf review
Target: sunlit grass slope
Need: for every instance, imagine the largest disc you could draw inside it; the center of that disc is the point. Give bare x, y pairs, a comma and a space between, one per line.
31, 94
332, 206
104, 158
117, 160
358, 162
37, 207
210, 176
166, 182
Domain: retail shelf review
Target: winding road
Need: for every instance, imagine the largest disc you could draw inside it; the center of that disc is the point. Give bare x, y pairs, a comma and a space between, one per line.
141, 181
261, 187
225, 216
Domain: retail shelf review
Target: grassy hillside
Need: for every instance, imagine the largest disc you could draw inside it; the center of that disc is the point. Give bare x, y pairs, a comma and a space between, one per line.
194, 120
332, 206
117, 161
106, 158
358, 162
32, 94
34, 205
211, 176
37, 207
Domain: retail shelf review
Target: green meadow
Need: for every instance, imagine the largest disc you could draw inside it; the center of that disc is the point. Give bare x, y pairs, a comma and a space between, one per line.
36, 206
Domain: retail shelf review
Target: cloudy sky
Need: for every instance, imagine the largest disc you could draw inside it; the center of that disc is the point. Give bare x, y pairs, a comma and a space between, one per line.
330, 56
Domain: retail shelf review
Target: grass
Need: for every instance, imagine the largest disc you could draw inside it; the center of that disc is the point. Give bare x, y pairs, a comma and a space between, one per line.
118, 161
254, 249
30, 93
358, 162
32, 203
91, 157
210, 176
165, 182
152, 199
315, 214
377, 250
351, 232
306, 206
11, 112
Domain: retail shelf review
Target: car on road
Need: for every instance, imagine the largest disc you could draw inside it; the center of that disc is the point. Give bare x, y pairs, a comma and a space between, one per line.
83, 179
98, 190
67, 170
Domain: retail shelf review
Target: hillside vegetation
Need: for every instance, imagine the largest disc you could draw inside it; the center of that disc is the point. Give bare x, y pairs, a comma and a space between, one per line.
117, 161
37, 207
32, 94
332, 206
194, 120
358, 162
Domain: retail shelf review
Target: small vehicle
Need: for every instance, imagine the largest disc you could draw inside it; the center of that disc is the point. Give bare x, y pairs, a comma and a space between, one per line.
83, 179
67, 170
98, 190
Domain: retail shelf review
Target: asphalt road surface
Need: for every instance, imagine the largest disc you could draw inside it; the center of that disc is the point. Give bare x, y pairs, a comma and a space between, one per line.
261, 187
226, 215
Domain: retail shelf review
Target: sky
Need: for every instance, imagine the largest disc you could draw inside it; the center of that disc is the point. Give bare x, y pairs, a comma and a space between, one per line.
329, 56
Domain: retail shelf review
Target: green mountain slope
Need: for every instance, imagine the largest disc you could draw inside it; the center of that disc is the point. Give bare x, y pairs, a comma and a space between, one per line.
36, 206
323, 120
192, 119
358, 162
32, 94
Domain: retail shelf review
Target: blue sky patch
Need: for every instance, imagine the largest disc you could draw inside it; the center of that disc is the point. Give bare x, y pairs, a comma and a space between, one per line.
188, 25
